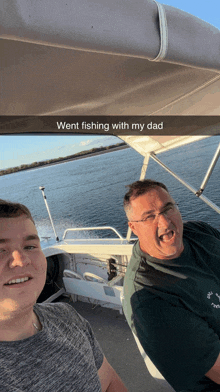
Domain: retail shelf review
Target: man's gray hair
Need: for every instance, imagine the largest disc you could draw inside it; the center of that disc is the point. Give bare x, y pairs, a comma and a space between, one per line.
139, 188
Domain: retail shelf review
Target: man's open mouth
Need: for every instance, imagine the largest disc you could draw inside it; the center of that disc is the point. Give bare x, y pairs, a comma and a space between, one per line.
167, 236
16, 281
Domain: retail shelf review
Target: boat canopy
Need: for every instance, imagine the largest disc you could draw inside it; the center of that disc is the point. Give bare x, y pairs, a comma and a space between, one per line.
157, 144
107, 57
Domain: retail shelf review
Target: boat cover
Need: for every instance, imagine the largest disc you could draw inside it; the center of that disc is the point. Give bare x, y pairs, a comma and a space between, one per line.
157, 144
78, 57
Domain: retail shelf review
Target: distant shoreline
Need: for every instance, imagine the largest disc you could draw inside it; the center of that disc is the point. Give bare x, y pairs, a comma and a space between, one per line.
92, 154
86, 154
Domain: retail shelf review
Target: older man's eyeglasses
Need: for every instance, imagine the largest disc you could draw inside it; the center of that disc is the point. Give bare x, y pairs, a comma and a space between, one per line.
169, 210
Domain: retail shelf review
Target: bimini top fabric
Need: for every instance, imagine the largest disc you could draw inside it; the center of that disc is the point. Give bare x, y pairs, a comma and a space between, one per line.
106, 57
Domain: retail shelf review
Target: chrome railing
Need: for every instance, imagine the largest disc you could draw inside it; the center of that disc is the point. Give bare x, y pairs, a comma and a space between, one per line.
92, 229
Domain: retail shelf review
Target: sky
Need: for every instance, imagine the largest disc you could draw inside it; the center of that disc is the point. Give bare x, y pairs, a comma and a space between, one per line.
17, 150
23, 149
208, 10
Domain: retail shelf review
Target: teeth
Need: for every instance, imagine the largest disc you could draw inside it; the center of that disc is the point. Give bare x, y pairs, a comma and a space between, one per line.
166, 237
13, 281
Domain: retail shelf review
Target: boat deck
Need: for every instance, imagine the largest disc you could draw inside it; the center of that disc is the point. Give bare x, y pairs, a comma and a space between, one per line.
119, 346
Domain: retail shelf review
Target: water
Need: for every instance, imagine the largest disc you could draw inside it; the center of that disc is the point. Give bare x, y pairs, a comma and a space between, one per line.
89, 192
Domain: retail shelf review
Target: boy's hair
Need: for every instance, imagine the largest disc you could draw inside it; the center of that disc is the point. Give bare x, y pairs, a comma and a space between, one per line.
9, 209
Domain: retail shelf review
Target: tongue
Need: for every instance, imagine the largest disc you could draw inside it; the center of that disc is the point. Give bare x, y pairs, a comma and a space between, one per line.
166, 237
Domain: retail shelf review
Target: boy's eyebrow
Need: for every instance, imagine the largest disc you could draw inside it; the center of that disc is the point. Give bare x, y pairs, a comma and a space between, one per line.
3, 240
32, 237
28, 238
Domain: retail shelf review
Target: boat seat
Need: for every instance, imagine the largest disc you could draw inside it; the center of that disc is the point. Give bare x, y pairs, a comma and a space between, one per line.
94, 278
154, 372
72, 274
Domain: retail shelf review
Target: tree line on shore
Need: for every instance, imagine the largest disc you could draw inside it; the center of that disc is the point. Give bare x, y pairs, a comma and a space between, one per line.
57, 160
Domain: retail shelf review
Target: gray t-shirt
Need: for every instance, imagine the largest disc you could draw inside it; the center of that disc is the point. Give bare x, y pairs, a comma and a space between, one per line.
63, 357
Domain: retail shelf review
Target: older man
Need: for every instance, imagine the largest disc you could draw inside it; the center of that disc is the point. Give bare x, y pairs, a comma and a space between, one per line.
172, 289
43, 347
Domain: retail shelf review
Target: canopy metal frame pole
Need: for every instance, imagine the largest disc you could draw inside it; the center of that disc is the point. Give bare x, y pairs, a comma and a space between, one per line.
48, 210
142, 177
209, 171
188, 186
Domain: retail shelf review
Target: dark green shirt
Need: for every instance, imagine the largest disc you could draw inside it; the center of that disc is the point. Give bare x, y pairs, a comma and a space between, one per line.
173, 306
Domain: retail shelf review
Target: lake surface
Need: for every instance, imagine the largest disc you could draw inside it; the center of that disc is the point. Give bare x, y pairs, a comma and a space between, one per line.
90, 191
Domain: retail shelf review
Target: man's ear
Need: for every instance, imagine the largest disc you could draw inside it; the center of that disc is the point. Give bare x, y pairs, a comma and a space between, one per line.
132, 227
